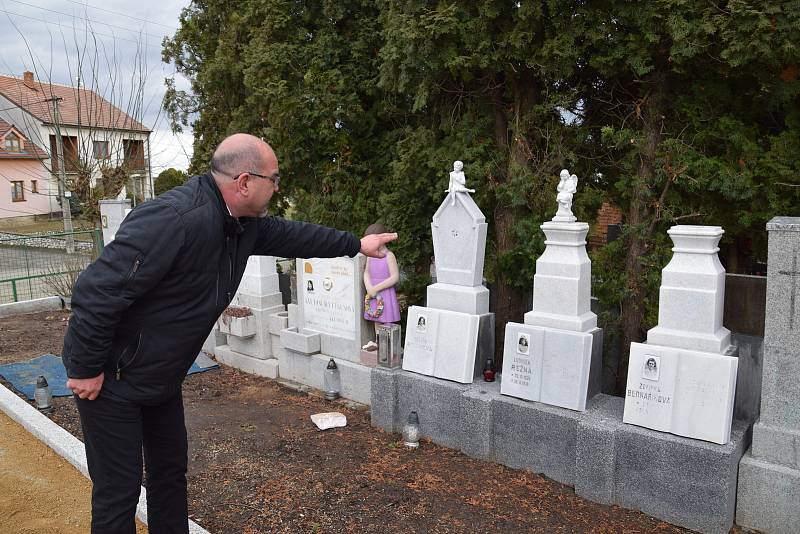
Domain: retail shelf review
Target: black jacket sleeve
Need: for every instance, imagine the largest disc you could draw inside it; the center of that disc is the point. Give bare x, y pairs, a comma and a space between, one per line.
294, 239
142, 252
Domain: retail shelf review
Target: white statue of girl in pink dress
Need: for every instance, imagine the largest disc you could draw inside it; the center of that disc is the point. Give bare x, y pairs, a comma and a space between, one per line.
380, 277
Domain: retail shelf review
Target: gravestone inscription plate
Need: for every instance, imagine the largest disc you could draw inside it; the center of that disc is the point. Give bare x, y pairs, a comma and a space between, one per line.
329, 298
548, 365
684, 392
441, 343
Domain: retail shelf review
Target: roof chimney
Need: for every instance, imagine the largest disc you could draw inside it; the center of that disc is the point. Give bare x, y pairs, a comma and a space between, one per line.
27, 77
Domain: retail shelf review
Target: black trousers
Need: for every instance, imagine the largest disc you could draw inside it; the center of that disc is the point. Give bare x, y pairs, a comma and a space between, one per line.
114, 433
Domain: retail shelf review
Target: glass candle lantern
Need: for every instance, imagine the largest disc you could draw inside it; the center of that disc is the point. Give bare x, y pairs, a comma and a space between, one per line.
488, 371
389, 350
42, 395
411, 431
333, 382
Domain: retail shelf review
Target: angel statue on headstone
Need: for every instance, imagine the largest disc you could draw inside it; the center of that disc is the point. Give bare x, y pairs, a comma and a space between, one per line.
566, 188
458, 182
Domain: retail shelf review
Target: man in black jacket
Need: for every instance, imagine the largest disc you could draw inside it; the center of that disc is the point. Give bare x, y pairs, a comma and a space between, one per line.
141, 313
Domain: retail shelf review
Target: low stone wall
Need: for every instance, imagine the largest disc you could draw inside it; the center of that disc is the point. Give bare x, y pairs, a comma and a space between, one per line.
684, 481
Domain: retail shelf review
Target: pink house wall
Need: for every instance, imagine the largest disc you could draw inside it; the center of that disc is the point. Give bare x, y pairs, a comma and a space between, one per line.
24, 170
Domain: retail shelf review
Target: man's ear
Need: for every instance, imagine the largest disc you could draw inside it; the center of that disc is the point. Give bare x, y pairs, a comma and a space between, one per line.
243, 184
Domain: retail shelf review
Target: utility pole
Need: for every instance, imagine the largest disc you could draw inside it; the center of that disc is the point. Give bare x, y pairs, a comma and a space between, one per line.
62, 179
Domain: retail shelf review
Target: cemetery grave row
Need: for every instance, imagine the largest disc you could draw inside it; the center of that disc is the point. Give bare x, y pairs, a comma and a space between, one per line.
676, 447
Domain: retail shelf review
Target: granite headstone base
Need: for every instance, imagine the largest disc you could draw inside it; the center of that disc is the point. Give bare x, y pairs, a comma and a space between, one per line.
769, 496
683, 481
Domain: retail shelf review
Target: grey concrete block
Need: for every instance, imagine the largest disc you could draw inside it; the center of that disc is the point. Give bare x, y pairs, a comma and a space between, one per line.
596, 449
776, 445
277, 322
780, 387
536, 437
476, 420
687, 482
438, 404
769, 497
383, 399
782, 324
248, 364
302, 341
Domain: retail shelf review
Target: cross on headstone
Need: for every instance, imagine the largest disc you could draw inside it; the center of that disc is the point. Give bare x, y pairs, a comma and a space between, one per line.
795, 274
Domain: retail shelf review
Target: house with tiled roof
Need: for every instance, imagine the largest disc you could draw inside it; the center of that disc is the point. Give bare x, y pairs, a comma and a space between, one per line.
95, 133
24, 181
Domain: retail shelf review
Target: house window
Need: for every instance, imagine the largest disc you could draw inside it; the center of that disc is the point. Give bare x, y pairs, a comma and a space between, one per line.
17, 192
12, 143
34, 186
100, 149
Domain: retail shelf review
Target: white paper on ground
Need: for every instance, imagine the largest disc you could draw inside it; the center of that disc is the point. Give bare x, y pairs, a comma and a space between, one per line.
328, 420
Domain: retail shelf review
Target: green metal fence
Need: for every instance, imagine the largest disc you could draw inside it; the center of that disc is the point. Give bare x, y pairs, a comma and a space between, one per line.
36, 266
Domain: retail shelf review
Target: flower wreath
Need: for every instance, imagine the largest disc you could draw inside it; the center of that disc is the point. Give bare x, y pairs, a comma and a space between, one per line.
378, 310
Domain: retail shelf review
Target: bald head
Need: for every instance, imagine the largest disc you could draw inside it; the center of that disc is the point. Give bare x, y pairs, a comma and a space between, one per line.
240, 153
245, 170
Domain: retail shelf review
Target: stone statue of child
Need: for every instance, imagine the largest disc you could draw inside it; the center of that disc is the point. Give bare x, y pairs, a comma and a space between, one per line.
566, 188
458, 182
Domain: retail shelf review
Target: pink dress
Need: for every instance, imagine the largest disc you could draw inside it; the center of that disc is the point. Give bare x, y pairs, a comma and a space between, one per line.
378, 272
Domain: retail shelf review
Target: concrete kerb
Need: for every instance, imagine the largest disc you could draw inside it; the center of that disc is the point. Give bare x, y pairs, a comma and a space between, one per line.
32, 306
63, 443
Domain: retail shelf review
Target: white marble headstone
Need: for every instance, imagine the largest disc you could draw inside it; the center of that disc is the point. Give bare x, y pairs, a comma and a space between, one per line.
459, 241
548, 365
684, 392
683, 380
441, 343
331, 295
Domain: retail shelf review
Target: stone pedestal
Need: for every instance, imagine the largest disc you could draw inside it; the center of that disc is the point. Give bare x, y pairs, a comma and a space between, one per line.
112, 213
562, 283
692, 293
683, 380
449, 337
556, 356
769, 474
249, 345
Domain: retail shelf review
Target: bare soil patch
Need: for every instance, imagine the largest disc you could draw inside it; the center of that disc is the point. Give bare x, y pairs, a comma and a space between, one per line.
258, 465
42, 492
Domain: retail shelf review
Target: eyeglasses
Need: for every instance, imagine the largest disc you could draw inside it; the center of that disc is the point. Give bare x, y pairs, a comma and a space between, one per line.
274, 178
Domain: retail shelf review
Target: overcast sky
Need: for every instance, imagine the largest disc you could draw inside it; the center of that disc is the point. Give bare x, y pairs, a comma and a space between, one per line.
55, 31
